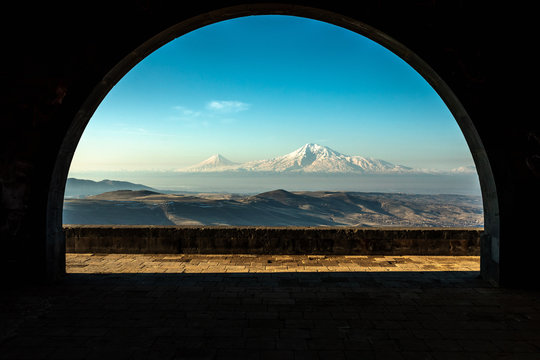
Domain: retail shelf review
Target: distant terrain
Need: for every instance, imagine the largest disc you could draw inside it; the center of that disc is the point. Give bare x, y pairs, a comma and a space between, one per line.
79, 188
276, 208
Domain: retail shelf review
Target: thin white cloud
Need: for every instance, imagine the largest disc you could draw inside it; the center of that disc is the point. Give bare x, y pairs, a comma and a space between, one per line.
226, 106
184, 111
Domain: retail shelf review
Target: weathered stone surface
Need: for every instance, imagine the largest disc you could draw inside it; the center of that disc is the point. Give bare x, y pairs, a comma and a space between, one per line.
269, 240
93, 263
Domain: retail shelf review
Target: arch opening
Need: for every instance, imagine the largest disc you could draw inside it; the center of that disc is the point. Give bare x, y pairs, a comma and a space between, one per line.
55, 242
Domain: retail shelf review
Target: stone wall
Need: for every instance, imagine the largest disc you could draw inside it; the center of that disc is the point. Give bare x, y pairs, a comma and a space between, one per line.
271, 240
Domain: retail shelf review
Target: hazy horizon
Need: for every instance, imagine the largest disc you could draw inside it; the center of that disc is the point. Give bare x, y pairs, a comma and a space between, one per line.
242, 183
310, 168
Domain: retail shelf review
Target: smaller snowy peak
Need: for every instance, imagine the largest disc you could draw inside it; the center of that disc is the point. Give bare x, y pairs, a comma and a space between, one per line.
215, 162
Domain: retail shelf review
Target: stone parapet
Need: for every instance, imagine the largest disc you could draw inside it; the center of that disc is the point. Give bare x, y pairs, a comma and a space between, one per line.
131, 239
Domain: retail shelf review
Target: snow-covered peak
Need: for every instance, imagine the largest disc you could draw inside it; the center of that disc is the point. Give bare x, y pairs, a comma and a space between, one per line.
310, 153
316, 149
215, 162
315, 158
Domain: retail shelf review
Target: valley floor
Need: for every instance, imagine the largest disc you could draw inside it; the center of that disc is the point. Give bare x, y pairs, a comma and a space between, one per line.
276, 208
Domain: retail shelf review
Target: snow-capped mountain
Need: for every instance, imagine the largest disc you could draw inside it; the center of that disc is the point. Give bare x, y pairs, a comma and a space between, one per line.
314, 158
310, 158
215, 162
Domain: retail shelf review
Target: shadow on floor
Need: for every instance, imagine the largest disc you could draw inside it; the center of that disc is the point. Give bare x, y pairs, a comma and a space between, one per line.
397, 315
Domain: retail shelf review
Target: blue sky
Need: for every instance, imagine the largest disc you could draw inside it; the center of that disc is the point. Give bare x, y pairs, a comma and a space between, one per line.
258, 87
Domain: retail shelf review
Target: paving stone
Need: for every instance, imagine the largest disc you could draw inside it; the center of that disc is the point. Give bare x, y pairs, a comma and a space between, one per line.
325, 311
111, 263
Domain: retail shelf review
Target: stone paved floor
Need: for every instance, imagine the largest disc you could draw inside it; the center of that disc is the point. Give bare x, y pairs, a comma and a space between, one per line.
193, 263
336, 313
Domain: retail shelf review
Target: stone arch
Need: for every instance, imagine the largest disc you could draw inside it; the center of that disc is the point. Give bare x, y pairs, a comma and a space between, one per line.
55, 247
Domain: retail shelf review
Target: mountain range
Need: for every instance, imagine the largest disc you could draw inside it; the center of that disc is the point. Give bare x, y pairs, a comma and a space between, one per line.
310, 158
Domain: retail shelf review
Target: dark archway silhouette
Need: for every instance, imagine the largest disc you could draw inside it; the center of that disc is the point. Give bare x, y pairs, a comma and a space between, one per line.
55, 247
